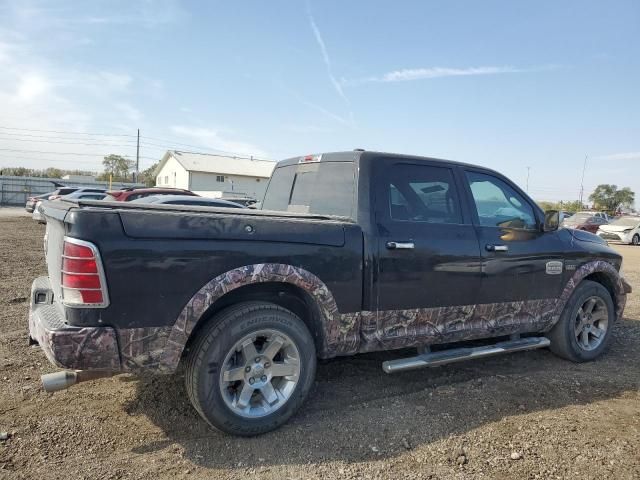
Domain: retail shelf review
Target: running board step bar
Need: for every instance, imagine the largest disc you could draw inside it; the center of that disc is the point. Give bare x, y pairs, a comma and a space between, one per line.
434, 359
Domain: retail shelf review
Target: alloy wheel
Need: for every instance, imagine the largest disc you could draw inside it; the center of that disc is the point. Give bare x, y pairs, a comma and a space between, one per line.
591, 322
260, 373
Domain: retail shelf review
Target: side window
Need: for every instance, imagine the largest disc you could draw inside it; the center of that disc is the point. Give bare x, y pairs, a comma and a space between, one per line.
498, 204
421, 193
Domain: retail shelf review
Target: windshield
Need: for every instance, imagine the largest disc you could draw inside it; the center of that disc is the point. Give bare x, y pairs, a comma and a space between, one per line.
323, 188
626, 222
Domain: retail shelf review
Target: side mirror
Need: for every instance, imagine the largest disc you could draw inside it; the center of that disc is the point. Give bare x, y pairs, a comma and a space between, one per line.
551, 221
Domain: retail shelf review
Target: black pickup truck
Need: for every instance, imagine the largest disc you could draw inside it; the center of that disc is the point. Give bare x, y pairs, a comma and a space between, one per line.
351, 252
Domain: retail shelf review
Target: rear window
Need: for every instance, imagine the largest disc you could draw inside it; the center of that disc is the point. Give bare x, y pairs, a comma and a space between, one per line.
322, 188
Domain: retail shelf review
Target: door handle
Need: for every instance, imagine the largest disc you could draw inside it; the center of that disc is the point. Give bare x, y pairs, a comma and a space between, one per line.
400, 245
496, 248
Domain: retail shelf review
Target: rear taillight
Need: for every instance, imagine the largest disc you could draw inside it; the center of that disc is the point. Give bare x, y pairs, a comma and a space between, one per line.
83, 282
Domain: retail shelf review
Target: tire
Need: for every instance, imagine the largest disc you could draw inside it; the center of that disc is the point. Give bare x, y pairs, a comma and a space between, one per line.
584, 330
218, 368
635, 240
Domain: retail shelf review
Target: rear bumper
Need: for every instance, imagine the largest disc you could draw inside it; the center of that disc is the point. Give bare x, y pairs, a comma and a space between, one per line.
76, 348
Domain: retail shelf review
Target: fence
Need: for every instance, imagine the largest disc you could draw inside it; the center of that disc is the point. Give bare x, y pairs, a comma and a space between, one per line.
16, 190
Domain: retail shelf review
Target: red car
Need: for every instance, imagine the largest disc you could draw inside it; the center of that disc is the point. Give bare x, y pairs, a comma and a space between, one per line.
128, 194
584, 221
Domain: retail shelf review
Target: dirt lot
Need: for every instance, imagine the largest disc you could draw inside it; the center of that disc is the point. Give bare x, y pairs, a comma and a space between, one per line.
527, 415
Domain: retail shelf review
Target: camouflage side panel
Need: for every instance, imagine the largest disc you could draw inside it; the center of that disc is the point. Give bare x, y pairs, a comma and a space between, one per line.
620, 297
142, 348
88, 348
341, 332
394, 329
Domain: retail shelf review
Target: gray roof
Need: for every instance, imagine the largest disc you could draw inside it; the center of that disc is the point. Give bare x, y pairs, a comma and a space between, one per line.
222, 164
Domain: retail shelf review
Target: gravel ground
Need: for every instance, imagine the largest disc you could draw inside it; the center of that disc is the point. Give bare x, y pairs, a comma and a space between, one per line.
527, 415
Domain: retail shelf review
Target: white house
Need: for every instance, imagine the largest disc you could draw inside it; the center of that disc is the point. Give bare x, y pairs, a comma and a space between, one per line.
214, 175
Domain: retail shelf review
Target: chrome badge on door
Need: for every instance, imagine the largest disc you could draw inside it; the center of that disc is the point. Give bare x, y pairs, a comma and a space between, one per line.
554, 267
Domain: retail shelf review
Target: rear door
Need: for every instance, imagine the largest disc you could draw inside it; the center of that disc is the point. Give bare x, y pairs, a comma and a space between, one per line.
520, 261
428, 253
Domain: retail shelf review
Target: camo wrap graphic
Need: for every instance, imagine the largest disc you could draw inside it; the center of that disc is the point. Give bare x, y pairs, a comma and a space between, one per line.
341, 332
160, 348
409, 328
142, 347
597, 266
90, 348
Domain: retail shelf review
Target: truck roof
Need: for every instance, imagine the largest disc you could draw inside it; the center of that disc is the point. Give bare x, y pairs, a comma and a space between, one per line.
370, 155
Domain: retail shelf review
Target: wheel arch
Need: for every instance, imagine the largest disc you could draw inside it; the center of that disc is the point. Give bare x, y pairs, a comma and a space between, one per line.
286, 295
599, 271
285, 285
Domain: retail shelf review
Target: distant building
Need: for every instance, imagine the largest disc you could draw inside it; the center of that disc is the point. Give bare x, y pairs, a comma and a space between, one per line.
79, 178
214, 175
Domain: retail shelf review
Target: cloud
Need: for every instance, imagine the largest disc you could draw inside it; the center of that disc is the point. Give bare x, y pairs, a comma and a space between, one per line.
31, 86
215, 140
327, 62
327, 113
412, 74
620, 156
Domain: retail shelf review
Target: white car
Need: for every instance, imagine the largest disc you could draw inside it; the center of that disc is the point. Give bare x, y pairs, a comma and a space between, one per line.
623, 229
37, 213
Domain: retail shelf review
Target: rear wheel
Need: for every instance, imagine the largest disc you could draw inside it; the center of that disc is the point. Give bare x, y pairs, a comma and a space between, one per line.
251, 368
584, 330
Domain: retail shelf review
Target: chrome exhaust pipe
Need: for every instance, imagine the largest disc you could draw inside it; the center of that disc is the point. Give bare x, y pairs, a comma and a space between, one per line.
53, 382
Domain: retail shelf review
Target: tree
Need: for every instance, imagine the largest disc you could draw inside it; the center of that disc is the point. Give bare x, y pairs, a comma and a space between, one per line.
609, 198
148, 176
573, 206
117, 168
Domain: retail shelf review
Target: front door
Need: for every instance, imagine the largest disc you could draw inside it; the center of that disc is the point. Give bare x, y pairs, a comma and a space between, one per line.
428, 253
521, 263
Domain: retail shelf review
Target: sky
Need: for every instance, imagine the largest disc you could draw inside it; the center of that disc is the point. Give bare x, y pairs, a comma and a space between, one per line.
527, 88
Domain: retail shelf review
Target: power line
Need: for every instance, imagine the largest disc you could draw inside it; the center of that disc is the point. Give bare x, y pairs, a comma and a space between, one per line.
67, 153
68, 132
69, 143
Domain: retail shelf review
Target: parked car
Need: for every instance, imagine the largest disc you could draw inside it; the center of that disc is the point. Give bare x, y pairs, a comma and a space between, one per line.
130, 194
85, 194
246, 201
59, 192
187, 200
352, 252
564, 215
32, 201
602, 215
584, 221
63, 192
623, 229
37, 214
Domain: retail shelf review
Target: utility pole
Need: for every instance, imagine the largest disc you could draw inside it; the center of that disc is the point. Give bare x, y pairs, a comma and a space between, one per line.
138, 156
584, 168
528, 169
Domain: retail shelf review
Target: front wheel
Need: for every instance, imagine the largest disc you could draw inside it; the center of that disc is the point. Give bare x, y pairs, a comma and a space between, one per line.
583, 332
251, 368
636, 240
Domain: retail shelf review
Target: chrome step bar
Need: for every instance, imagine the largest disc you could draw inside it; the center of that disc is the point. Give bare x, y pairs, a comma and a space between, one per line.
434, 359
